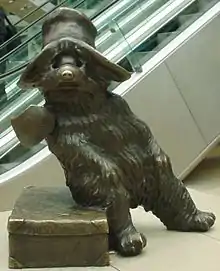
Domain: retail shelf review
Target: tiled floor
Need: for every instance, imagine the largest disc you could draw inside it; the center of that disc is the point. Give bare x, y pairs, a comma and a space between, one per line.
166, 251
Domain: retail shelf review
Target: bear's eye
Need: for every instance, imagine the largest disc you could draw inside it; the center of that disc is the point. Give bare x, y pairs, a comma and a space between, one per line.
80, 57
79, 62
55, 63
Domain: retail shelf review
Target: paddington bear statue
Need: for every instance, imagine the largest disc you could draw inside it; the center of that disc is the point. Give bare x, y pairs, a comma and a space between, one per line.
110, 158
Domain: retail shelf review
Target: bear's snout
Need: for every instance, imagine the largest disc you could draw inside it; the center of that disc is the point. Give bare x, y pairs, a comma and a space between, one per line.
66, 73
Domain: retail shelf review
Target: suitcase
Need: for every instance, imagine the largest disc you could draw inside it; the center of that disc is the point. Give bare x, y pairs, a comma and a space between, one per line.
47, 229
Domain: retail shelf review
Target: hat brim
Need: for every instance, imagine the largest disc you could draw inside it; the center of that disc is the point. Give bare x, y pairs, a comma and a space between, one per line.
33, 73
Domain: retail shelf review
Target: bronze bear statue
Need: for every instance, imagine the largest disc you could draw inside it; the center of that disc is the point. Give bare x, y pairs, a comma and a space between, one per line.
110, 157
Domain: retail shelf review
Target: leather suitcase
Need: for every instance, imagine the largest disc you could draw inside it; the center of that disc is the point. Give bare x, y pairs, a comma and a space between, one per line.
47, 229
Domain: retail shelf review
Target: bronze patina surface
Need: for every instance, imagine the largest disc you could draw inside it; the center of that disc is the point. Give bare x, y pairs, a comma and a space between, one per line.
109, 156
47, 228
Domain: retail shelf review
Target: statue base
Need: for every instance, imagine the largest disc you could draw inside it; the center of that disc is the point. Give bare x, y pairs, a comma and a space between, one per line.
47, 229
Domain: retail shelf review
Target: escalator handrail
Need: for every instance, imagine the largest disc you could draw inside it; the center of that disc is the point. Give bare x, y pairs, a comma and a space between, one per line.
31, 24
134, 39
32, 12
13, 72
2, 59
22, 66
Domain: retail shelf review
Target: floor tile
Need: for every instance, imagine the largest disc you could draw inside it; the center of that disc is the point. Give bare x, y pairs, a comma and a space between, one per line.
172, 251
107, 268
175, 252
208, 202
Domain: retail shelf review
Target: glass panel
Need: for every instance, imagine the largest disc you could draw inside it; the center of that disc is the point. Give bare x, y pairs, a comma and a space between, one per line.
17, 155
30, 12
132, 26
155, 42
114, 32
27, 32
24, 16
36, 18
33, 34
21, 13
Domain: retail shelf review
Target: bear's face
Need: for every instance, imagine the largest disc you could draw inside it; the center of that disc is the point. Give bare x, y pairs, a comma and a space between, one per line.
71, 77
64, 72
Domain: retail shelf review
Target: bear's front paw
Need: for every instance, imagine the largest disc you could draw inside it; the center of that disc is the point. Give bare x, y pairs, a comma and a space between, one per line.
203, 221
130, 242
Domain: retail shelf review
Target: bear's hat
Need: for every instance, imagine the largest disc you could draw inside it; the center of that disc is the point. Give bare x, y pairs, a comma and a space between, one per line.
72, 27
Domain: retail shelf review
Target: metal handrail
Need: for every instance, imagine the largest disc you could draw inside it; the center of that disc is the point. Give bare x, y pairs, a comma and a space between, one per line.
32, 12
147, 28
13, 71
4, 58
30, 25
100, 24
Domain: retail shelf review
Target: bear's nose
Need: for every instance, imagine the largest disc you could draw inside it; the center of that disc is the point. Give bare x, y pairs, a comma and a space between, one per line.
66, 73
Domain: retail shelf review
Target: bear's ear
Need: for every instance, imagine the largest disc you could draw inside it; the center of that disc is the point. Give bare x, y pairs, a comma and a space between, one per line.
34, 72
